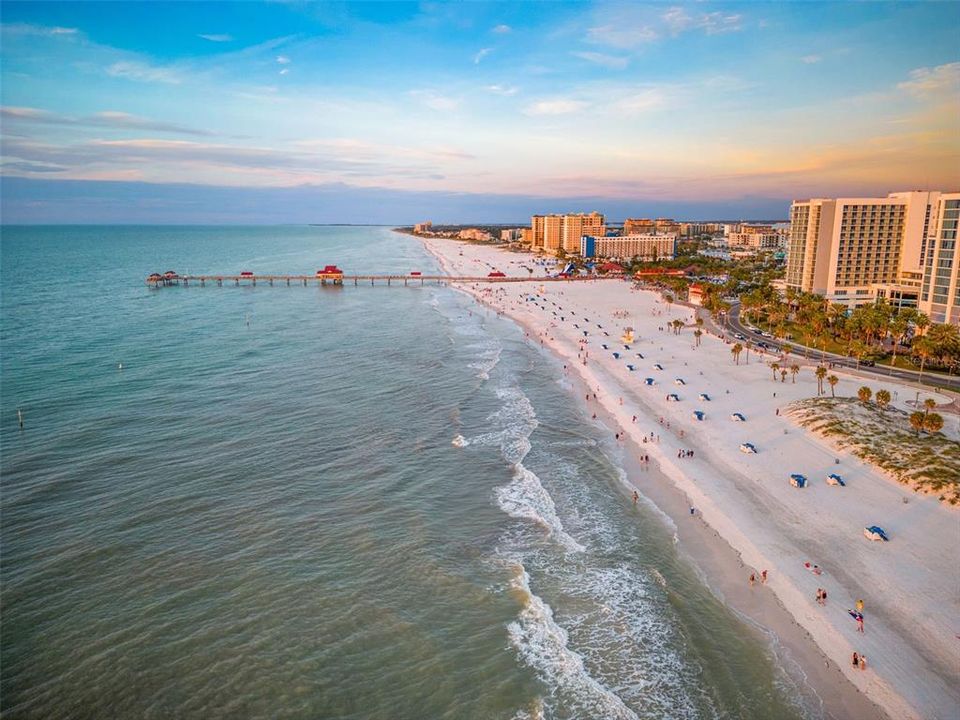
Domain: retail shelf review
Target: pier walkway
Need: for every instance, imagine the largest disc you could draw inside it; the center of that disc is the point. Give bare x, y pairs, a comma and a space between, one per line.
356, 280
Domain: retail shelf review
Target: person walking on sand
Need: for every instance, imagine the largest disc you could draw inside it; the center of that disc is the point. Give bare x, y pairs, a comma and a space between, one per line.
856, 660
863, 662
636, 497
859, 606
753, 579
859, 623
763, 577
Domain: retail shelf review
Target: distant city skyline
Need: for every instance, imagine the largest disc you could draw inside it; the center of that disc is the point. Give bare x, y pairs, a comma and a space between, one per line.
469, 112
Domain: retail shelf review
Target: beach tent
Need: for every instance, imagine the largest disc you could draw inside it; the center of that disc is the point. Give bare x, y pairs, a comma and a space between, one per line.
657, 366
673, 397
698, 414
604, 347
737, 417
834, 479
679, 381
630, 367
616, 356
798, 481
648, 381
875, 532
704, 397
747, 448
640, 355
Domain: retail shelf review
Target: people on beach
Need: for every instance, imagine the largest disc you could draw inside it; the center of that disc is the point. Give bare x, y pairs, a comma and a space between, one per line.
636, 497
859, 606
753, 579
863, 662
856, 660
763, 577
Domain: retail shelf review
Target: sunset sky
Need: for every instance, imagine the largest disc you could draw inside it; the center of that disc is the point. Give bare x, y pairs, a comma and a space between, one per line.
435, 110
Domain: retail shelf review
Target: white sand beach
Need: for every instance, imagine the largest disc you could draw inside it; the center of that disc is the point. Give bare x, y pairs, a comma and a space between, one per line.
909, 586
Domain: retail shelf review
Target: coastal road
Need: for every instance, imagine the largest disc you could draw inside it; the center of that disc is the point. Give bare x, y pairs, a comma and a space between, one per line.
735, 326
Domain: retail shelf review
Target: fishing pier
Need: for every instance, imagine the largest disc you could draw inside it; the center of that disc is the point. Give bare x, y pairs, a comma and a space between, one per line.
320, 278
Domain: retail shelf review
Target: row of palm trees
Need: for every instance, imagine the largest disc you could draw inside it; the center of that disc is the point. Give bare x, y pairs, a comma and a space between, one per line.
864, 331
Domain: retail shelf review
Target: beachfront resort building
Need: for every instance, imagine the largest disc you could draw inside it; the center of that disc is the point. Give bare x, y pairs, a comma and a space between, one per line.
854, 250
647, 226
475, 234
940, 286
757, 237
553, 233
645, 247
423, 228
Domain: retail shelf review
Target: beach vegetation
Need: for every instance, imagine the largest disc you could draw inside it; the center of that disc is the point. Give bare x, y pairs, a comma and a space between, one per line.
864, 393
882, 398
794, 371
775, 367
735, 351
925, 459
820, 373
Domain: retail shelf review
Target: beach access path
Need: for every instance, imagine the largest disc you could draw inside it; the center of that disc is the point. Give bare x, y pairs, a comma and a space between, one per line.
908, 585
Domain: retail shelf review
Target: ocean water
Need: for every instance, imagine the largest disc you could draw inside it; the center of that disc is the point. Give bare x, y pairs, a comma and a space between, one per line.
312, 502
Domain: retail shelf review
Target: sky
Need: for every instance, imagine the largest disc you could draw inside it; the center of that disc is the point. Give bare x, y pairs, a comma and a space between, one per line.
391, 112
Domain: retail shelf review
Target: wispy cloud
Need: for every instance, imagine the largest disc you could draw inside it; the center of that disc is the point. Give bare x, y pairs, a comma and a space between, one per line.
925, 82
501, 29
811, 59
222, 38
558, 106
642, 101
502, 89
28, 29
435, 101
140, 71
620, 36
283, 60
608, 61
108, 119
284, 71
481, 55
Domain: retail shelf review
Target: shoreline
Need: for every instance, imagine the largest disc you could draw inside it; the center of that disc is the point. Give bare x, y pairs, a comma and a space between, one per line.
714, 542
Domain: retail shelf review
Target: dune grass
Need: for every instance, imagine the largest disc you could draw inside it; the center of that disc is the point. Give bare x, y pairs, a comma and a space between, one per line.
927, 463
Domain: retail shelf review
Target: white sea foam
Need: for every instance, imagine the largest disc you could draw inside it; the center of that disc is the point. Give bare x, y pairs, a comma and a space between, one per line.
542, 644
525, 497
460, 441
487, 362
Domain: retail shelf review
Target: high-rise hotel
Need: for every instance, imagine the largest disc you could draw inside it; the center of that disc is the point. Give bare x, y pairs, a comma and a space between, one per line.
555, 232
855, 250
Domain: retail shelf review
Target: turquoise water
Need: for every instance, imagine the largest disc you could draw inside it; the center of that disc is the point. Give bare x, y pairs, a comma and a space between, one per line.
323, 503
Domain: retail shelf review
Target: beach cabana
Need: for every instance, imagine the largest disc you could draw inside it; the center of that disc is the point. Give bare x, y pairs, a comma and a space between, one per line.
657, 366
798, 481
875, 532
648, 381
604, 346
737, 417
704, 397
679, 381
834, 479
630, 367
748, 448
673, 397
698, 414
154, 278
616, 356
640, 355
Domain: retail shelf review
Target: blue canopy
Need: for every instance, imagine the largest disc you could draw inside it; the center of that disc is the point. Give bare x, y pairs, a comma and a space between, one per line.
648, 381
629, 367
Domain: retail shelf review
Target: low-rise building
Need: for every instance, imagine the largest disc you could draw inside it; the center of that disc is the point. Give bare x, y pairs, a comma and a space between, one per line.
511, 235
423, 228
645, 247
475, 234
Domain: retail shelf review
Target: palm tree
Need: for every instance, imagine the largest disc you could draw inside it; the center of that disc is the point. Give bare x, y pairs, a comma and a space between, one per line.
864, 393
794, 370
933, 423
923, 347
921, 321
774, 367
898, 328
697, 333
928, 405
916, 421
783, 376
883, 398
821, 373
833, 380
859, 349
736, 350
